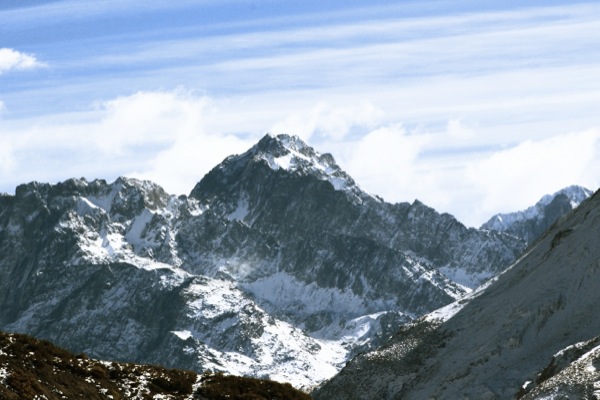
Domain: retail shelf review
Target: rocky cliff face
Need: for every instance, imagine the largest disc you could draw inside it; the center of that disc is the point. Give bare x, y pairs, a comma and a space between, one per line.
282, 186
276, 265
531, 332
99, 268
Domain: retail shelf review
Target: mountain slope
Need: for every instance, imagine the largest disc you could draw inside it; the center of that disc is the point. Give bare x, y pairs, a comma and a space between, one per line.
278, 265
537, 219
490, 345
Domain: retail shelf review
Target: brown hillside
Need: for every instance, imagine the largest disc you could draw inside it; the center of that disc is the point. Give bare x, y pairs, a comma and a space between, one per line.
31, 368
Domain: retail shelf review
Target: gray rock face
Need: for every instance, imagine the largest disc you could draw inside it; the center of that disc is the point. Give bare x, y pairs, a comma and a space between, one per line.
278, 265
105, 269
284, 187
532, 331
533, 222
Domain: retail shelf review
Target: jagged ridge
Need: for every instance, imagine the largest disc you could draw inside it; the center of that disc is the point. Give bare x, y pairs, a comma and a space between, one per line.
277, 265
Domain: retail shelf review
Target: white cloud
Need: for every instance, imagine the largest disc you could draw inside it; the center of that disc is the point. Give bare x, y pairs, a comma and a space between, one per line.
384, 161
13, 60
516, 178
445, 172
330, 122
175, 137
457, 130
147, 119
179, 167
455, 109
178, 122
7, 158
140, 123
152, 135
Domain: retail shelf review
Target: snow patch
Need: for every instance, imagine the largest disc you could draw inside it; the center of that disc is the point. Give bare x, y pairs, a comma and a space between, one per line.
85, 207
358, 328
288, 292
194, 207
300, 158
338, 183
137, 227
3, 374
502, 222
240, 212
445, 313
590, 368
282, 352
183, 335
468, 281
284, 162
104, 202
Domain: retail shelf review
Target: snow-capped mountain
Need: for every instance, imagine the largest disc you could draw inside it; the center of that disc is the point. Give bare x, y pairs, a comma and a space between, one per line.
531, 223
532, 332
96, 267
284, 187
277, 265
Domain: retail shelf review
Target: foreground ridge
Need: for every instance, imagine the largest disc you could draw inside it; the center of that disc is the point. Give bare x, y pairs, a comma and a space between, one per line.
31, 369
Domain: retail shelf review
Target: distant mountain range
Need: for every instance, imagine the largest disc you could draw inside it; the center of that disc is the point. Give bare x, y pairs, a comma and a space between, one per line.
531, 223
276, 265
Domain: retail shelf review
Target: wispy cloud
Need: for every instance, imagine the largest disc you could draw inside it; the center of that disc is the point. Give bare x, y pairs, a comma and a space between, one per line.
154, 135
14, 60
392, 163
7, 159
513, 179
376, 48
330, 122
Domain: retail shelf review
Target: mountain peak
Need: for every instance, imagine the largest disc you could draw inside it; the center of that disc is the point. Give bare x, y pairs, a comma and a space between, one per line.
576, 195
275, 143
283, 153
290, 153
530, 223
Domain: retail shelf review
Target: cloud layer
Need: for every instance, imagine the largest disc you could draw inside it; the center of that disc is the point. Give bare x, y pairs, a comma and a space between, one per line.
165, 137
14, 60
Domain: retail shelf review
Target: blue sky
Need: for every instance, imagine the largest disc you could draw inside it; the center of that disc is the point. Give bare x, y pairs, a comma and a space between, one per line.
472, 107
